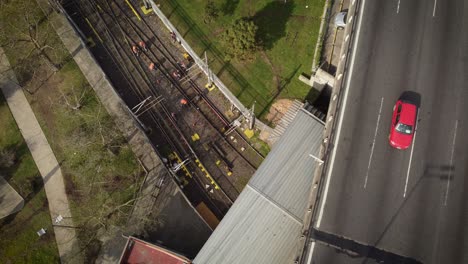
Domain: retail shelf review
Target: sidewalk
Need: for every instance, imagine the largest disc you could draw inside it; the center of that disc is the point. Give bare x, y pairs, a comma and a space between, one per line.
10, 201
333, 39
45, 160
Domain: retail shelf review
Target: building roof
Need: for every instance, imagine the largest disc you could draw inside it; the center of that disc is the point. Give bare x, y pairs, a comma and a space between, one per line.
265, 222
138, 251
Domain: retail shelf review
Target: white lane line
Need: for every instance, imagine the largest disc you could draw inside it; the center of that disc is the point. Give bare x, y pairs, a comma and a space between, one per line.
327, 184
451, 162
410, 158
373, 143
435, 4
398, 7
311, 251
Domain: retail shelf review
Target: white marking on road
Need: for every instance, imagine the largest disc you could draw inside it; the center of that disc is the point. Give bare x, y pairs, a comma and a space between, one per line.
451, 162
373, 143
435, 4
311, 251
340, 122
410, 158
398, 7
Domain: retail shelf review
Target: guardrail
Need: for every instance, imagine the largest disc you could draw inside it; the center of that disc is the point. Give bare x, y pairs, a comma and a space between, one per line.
329, 135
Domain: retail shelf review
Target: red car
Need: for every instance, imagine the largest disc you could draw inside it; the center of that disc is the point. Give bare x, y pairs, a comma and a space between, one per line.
403, 124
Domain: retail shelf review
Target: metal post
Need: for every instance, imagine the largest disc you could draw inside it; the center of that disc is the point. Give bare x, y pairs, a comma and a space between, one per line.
316, 159
146, 105
140, 104
235, 124
147, 4
252, 116
208, 73
177, 167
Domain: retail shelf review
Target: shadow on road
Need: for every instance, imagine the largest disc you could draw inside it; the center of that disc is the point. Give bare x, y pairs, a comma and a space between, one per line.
355, 249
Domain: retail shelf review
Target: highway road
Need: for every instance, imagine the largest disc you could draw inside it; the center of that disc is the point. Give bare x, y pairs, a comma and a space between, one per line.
411, 204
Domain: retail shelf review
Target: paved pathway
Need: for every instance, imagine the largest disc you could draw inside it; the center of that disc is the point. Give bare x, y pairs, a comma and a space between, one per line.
10, 201
45, 161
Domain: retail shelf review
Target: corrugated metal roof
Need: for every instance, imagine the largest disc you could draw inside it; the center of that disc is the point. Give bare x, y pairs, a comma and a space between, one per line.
265, 221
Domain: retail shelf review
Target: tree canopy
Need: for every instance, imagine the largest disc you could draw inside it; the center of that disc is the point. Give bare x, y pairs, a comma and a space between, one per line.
240, 39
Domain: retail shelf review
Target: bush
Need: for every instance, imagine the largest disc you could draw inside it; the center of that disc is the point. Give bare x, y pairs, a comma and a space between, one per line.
240, 40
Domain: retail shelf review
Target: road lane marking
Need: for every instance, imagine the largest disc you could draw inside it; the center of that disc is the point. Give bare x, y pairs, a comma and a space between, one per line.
398, 7
410, 158
373, 143
311, 251
451, 162
435, 4
327, 184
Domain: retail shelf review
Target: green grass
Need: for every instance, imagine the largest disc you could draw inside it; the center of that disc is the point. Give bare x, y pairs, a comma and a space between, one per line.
289, 32
100, 170
260, 145
19, 242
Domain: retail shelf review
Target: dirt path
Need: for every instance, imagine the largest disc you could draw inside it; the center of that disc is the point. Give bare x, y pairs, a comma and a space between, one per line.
45, 160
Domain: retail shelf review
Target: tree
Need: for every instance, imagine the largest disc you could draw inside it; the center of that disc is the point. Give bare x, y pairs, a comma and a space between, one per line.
211, 12
76, 103
31, 29
240, 40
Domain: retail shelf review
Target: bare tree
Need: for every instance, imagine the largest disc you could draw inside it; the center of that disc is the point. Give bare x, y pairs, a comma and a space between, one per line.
35, 30
76, 103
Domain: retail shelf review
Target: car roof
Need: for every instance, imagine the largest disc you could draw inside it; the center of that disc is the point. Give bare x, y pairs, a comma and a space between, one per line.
340, 19
408, 113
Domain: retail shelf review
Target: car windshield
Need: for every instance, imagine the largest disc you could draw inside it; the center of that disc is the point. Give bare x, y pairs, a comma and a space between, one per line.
405, 129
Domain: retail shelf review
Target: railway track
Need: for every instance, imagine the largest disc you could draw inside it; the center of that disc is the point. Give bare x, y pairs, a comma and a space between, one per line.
120, 33
220, 122
159, 120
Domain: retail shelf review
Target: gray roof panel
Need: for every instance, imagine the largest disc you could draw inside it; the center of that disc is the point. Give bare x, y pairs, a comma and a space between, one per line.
265, 221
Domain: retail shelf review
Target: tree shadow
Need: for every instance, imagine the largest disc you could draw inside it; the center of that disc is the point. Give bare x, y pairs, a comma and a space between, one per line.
271, 22
280, 89
229, 6
20, 151
8, 219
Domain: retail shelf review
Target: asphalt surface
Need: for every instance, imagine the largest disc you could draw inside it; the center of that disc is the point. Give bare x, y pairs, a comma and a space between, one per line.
410, 203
